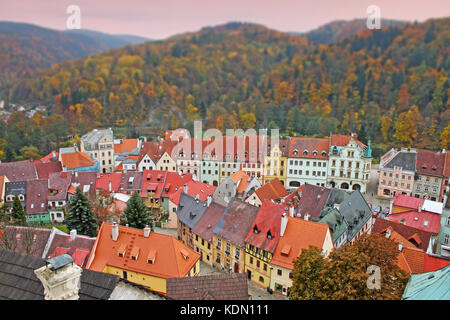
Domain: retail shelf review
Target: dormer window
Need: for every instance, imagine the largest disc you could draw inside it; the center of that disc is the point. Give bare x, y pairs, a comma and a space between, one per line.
255, 229
185, 254
135, 253
315, 152
121, 250
151, 258
324, 153
269, 235
305, 152
295, 151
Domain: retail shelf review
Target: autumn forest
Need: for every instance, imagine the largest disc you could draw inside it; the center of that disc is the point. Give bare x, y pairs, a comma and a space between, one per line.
389, 86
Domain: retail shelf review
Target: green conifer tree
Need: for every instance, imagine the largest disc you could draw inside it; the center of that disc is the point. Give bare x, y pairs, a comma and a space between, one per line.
18, 213
136, 214
81, 217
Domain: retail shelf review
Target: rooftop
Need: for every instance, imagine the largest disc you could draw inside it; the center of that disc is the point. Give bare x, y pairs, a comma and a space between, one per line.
211, 287
168, 253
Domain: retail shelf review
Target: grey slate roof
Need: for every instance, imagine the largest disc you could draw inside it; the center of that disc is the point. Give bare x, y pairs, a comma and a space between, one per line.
211, 287
190, 210
95, 136
356, 212
236, 222
403, 159
18, 281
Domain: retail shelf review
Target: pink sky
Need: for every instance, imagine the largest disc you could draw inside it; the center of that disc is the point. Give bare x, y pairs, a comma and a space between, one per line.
159, 19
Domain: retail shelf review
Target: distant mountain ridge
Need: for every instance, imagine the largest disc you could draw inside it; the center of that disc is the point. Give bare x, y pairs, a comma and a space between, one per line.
340, 29
26, 48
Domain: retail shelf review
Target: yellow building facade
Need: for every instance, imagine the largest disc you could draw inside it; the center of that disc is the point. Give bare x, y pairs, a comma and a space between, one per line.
275, 165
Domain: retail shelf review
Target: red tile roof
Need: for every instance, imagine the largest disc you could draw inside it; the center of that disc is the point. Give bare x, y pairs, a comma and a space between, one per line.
193, 188
58, 185
432, 263
170, 261
418, 220
274, 190
430, 163
19, 170
309, 145
299, 234
37, 196
420, 237
447, 164
163, 183
103, 180
51, 157
404, 201
85, 181
43, 170
343, 140
267, 223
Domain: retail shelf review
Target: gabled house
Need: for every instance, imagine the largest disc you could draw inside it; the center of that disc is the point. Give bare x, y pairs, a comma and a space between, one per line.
99, 146
296, 235
109, 182
191, 188
275, 162
397, 171
261, 241
203, 231
131, 182
142, 257
189, 211
36, 208
274, 190
58, 187
239, 185
430, 174
350, 161
230, 233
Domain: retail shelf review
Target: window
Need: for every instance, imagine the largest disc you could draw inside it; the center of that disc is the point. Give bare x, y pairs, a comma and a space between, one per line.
279, 272
446, 237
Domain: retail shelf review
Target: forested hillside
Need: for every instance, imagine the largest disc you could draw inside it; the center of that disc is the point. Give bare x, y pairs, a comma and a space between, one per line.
339, 29
390, 86
26, 48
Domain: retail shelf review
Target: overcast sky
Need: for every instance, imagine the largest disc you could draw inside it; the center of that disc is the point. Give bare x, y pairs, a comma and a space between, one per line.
158, 19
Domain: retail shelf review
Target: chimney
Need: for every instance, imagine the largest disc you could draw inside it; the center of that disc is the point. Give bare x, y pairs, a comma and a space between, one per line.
400, 246
306, 216
185, 188
73, 234
291, 211
209, 200
197, 196
110, 186
61, 278
76, 174
284, 221
388, 233
146, 231
115, 231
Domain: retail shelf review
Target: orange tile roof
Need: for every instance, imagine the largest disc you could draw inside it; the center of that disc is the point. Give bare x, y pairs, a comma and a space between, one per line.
412, 260
243, 177
299, 235
76, 160
301, 144
170, 252
193, 188
127, 145
273, 190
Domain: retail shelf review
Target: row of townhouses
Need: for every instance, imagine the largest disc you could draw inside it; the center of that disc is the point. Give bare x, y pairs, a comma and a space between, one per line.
339, 161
